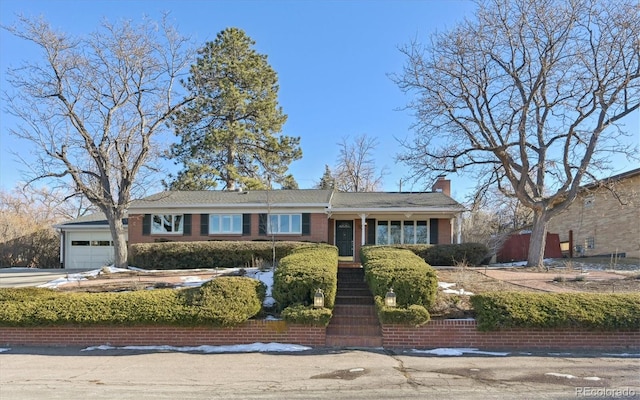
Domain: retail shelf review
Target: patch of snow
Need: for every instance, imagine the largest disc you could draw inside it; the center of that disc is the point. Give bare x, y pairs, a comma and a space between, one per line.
458, 352
459, 291
239, 348
265, 277
592, 378
557, 375
445, 285
3, 350
272, 318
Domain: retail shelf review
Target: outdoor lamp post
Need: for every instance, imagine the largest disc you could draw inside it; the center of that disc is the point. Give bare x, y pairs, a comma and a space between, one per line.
390, 298
318, 299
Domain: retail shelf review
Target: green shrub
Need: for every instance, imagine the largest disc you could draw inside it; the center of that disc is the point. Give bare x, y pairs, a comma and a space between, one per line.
557, 310
414, 315
228, 301
452, 254
222, 302
306, 315
412, 280
201, 254
300, 274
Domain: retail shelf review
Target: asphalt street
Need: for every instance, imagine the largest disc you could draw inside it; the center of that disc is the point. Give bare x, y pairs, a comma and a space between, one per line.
68, 373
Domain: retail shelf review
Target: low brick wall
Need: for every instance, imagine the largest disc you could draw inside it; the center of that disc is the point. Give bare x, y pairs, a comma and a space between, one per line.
249, 332
463, 333
437, 333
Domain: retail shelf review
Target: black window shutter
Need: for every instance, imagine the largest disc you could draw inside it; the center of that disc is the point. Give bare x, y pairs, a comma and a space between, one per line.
246, 224
371, 231
186, 225
433, 231
204, 224
146, 225
306, 224
262, 224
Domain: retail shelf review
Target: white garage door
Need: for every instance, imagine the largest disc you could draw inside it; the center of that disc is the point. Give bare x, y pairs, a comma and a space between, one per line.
88, 250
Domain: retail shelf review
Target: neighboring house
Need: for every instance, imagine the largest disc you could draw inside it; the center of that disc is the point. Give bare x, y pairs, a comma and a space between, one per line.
604, 219
347, 220
86, 242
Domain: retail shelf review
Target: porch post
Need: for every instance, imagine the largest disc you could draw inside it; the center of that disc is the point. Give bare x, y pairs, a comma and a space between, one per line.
363, 219
459, 226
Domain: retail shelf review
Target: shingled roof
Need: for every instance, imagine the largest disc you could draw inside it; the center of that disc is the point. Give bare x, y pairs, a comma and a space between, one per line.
385, 200
308, 197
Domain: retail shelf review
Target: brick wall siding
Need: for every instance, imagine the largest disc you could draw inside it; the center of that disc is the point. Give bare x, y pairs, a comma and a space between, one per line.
318, 233
435, 334
610, 219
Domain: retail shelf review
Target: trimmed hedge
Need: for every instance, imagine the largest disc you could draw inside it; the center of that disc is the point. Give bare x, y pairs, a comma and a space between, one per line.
191, 255
414, 282
414, 314
593, 311
306, 269
451, 254
307, 315
224, 301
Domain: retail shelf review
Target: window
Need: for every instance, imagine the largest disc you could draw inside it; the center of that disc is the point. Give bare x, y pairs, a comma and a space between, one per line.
225, 223
402, 232
166, 223
80, 243
590, 243
589, 201
285, 223
101, 243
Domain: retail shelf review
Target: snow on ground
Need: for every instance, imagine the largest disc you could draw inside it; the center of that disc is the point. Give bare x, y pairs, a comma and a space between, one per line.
458, 352
446, 286
239, 348
265, 277
3, 350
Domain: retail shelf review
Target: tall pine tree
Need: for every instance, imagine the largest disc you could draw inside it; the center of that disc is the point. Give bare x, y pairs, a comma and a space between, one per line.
231, 132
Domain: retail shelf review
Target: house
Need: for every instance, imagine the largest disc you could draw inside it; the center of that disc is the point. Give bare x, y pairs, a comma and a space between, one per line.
604, 220
347, 220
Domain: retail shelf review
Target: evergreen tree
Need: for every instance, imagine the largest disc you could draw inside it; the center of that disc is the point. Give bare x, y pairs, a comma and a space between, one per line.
327, 181
231, 132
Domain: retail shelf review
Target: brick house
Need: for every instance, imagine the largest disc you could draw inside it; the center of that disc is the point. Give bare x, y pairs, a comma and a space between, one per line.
347, 220
604, 219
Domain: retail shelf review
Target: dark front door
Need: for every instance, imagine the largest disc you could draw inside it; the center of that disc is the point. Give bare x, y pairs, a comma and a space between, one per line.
344, 238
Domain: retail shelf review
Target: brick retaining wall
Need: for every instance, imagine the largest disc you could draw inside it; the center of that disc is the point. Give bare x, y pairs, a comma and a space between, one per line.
463, 333
437, 333
250, 332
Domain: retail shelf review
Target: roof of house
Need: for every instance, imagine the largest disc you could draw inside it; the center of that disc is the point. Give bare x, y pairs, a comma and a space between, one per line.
327, 200
95, 219
613, 178
309, 197
382, 200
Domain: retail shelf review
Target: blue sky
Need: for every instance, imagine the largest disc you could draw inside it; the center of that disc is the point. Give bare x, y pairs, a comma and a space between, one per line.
332, 58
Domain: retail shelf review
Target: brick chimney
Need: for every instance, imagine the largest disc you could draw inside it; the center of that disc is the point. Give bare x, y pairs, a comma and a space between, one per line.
442, 185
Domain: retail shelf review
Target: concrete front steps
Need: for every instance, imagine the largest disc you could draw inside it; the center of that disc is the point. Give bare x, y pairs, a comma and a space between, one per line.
354, 322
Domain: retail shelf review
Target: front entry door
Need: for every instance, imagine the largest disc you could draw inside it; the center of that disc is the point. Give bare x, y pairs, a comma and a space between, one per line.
344, 238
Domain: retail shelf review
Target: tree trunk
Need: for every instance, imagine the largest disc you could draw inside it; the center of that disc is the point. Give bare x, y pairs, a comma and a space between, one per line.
538, 239
118, 234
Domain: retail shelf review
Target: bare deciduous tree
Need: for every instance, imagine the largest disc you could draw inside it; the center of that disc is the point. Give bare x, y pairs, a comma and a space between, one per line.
356, 169
528, 97
93, 106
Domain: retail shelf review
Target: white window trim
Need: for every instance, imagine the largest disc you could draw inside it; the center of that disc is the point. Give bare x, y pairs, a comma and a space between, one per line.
290, 232
414, 223
220, 224
180, 230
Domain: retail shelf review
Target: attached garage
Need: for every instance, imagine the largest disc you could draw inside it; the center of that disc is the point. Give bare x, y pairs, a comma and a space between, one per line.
85, 243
